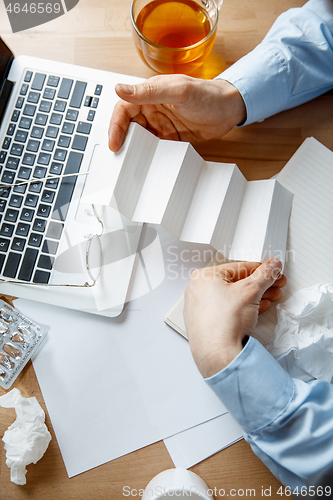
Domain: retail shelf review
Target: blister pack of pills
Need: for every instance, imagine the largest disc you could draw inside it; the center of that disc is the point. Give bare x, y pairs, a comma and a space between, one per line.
20, 337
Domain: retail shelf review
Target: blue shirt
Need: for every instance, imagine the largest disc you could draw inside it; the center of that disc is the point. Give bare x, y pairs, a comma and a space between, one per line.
293, 63
288, 423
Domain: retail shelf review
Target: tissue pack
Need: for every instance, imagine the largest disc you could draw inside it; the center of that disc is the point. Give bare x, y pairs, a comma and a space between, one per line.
20, 337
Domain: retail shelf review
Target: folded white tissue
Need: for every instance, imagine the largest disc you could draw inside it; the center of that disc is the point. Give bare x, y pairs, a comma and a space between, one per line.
303, 337
27, 439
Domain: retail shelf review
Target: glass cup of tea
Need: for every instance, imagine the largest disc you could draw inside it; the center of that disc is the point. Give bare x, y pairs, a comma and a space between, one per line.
174, 36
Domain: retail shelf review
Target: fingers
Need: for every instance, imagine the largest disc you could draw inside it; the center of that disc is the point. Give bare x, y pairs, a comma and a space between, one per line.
122, 114
265, 276
161, 89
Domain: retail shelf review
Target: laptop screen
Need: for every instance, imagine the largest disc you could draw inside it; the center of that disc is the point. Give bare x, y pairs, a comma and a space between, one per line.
6, 59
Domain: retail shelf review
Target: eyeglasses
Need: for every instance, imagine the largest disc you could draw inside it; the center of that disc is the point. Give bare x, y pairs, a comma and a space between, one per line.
93, 253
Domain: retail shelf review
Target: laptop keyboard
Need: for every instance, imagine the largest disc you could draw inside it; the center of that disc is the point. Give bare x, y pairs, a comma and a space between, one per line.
44, 140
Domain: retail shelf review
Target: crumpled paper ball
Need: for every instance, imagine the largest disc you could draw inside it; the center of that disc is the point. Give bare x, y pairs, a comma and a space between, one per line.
27, 439
303, 338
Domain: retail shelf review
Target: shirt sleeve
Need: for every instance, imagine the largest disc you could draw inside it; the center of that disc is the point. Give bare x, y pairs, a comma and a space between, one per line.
288, 423
293, 63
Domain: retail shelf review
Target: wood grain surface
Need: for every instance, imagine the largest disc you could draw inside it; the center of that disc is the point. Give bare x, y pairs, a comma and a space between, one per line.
96, 33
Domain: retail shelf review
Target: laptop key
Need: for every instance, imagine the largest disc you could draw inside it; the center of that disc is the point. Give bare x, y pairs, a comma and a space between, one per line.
44, 158
56, 119
35, 187
60, 154
37, 132
31, 200
15, 201
12, 265
48, 196
56, 168
24, 89
11, 215
39, 172
79, 142
38, 81
83, 128
29, 110
3, 155
28, 264
41, 119
28, 76
52, 132
29, 159
33, 145
25, 123
72, 115
15, 115
33, 97
12, 163
41, 277
18, 244
22, 229
91, 115
21, 136
8, 177
7, 229
68, 128
35, 240
4, 244
6, 142
27, 214
39, 225
53, 81
60, 106
43, 210
54, 230
50, 247
65, 88
48, 145
3, 204
78, 93
24, 173
45, 106
49, 93
11, 129
20, 188
45, 262
17, 149
64, 141
19, 102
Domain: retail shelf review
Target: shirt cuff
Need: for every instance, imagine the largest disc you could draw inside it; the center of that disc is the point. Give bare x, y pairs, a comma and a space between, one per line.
253, 387
252, 75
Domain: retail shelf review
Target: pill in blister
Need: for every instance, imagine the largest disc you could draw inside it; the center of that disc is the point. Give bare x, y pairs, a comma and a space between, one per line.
6, 362
26, 332
3, 374
3, 329
6, 316
12, 351
18, 338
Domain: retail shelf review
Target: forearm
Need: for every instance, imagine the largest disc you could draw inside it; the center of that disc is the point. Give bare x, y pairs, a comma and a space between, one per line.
292, 65
288, 423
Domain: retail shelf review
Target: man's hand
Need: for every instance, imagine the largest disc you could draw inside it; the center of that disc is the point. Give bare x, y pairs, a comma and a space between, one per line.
222, 304
177, 107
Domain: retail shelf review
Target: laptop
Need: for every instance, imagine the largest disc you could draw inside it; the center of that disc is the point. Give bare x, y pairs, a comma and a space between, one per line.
53, 247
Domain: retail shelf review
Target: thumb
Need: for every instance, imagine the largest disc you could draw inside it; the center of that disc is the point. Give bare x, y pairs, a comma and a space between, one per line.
155, 90
265, 275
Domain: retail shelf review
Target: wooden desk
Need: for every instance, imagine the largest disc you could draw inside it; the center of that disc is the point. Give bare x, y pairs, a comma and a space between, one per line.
96, 33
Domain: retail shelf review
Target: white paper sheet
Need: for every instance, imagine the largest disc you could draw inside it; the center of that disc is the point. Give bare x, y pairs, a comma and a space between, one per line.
198, 443
168, 183
114, 385
309, 175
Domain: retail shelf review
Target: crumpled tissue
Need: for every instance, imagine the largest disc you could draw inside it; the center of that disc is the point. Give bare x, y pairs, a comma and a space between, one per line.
27, 439
303, 338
